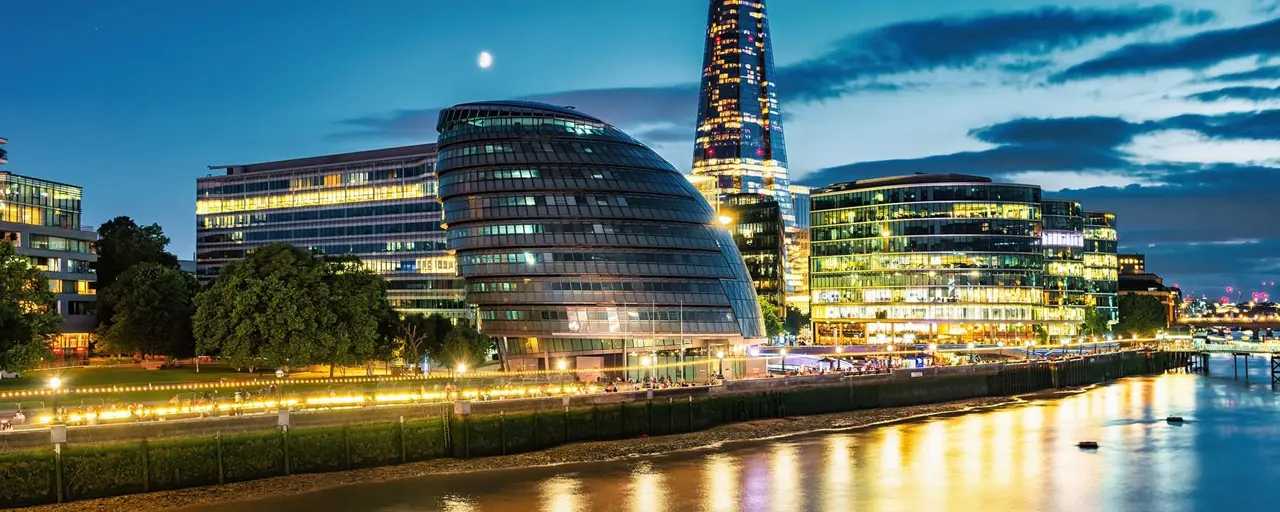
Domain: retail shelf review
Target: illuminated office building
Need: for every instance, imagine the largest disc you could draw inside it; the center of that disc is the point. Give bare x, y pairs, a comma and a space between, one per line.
798, 253
1101, 263
42, 219
1064, 285
580, 244
927, 258
379, 206
739, 142
756, 223
1132, 264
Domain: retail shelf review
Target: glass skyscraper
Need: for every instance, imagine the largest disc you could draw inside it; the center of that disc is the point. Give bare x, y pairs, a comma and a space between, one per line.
1101, 264
927, 258
756, 223
579, 243
378, 205
739, 140
42, 219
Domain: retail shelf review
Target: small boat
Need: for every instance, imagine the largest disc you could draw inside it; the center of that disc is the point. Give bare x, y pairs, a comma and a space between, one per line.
1174, 419
1088, 445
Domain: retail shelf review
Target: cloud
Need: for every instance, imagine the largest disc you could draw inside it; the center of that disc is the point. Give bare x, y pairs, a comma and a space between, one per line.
1237, 93
1015, 42
956, 42
1262, 73
1196, 16
1194, 52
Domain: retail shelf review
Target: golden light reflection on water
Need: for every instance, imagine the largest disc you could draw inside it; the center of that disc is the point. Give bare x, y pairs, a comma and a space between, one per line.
838, 487
648, 491
786, 492
561, 494
721, 475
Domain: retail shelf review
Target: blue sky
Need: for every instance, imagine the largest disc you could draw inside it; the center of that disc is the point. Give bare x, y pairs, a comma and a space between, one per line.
1166, 112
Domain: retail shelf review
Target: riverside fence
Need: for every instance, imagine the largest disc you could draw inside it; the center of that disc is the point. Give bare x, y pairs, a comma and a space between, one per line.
112, 460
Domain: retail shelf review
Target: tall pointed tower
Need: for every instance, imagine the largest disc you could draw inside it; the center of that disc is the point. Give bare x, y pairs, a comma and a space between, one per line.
739, 146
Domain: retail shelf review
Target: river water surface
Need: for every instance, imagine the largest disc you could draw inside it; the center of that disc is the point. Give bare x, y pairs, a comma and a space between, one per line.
1225, 457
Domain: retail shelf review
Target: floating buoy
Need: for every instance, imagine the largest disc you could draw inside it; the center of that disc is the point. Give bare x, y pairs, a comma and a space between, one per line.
1174, 419
1088, 444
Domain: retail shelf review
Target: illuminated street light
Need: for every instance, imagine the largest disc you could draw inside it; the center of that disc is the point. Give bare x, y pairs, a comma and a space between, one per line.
54, 384
725, 220
720, 356
562, 364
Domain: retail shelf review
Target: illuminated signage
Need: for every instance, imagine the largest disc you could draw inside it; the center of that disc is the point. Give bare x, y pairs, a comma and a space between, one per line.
1062, 239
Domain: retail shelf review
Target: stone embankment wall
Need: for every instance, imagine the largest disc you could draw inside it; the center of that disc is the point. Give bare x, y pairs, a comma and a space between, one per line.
111, 460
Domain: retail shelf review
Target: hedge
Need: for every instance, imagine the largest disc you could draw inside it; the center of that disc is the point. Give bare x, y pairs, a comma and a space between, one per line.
27, 478
179, 463
104, 470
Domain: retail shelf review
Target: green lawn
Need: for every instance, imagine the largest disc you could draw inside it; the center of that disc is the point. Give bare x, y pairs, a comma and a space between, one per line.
132, 375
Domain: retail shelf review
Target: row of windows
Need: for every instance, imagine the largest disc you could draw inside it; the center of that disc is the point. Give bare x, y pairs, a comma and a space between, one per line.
347, 195
604, 228
339, 231
619, 314
1062, 208
862, 262
57, 243
251, 184
398, 303
606, 286
938, 210
974, 192
16, 190
945, 279
935, 312
566, 177
302, 215
928, 227
928, 244
456, 118
533, 258
569, 153
39, 216
577, 200
936, 294
70, 286
426, 284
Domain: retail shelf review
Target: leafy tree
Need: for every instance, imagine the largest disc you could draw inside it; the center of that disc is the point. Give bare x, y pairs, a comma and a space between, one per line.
28, 313
1041, 333
121, 244
772, 323
796, 320
153, 309
465, 345
420, 334
352, 317
1141, 314
270, 309
1095, 322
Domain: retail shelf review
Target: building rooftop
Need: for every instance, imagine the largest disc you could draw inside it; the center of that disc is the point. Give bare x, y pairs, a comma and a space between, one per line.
529, 105
910, 179
41, 180
417, 150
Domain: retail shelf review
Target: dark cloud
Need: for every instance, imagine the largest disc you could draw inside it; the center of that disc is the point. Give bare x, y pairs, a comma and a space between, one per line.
1262, 73
1195, 52
957, 42
1196, 16
1015, 42
1246, 93
1094, 131
1259, 125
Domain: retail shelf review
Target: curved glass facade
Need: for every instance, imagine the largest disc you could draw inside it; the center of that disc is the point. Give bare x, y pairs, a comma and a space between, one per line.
576, 240
943, 258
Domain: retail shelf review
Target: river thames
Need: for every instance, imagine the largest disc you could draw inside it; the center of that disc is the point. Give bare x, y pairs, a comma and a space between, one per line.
1020, 457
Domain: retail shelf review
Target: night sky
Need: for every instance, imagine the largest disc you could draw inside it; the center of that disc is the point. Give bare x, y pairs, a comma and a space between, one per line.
1166, 113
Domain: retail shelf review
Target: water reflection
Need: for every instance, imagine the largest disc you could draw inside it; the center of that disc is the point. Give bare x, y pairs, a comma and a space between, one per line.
1018, 458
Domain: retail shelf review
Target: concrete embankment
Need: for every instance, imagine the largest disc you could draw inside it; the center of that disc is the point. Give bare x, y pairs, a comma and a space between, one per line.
116, 460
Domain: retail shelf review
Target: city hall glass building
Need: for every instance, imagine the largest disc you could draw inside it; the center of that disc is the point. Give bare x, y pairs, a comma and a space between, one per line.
379, 206
925, 258
739, 141
578, 242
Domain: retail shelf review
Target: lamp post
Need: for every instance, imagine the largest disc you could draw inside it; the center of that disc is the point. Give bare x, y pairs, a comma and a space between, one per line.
890, 349
644, 363
1030, 345
972, 359
280, 387
561, 365
462, 368
54, 384
839, 350
933, 354
783, 352
720, 356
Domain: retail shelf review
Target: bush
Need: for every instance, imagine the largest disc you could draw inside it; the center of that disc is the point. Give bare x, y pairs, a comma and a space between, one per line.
27, 478
374, 445
179, 463
252, 456
100, 471
316, 450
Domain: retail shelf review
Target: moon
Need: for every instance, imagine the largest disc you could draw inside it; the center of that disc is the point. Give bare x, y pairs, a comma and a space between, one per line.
485, 60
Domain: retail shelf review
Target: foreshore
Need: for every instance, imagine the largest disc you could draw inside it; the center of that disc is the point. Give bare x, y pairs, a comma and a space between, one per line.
566, 454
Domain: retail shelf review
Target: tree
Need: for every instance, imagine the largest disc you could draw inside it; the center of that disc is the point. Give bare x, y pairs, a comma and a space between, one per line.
121, 244
153, 309
1095, 322
465, 345
420, 334
769, 313
1041, 333
270, 309
352, 319
28, 312
796, 320
1141, 314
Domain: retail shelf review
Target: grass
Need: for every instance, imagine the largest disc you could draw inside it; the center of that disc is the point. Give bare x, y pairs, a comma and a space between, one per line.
132, 375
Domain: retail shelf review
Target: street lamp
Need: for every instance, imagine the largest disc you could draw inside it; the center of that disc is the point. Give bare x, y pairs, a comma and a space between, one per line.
462, 368
561, 365
720, 356
783, 353
280, 387
54, 384
971, 346
933, 353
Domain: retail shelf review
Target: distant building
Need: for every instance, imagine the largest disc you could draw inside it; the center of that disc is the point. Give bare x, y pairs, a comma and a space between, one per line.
42, 219
1100, 262
188, 266
379, 206
1132, 263
1153, 285
798, 252
756, 223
